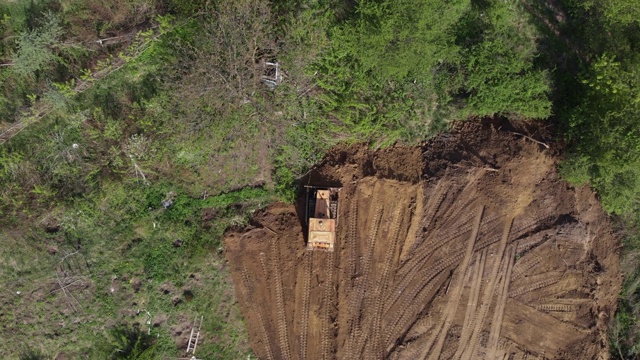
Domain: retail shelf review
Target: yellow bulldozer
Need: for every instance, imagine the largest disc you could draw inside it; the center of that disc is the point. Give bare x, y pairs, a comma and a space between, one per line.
322, 217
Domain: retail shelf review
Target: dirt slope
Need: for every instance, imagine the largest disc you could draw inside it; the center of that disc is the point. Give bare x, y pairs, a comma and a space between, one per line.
467, 248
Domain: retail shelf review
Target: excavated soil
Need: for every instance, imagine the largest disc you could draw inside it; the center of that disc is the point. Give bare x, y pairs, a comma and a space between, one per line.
469, 247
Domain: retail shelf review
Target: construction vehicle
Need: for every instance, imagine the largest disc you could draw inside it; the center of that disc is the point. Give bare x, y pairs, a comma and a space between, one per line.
322, 217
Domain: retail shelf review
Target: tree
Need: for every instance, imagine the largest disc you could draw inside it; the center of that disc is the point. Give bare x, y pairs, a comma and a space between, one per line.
131, 343
604, 131
36, 49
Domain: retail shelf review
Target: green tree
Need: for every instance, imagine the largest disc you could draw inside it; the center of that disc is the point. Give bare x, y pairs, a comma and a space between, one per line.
131, 343
604, 131
36, 49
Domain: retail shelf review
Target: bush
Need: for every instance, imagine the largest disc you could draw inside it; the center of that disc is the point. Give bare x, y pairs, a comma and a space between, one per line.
131, 343
33, 354
604, 133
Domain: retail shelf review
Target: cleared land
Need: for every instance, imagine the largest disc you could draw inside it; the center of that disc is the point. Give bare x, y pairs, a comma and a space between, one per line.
469, 247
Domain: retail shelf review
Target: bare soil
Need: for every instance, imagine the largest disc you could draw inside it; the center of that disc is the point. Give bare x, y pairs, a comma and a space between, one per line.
469, 247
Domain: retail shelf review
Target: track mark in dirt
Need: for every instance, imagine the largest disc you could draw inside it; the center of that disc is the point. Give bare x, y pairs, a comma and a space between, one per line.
263, 329
380, 288
418, 273
494, 335
357, 338
470, 350
353, 234
555, 307
282, 317
472, 306
454, 299
328, 293
521, 268
306, 297
534, 286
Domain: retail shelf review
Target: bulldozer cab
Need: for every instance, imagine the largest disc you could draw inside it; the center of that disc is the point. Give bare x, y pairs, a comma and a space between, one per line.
322, 217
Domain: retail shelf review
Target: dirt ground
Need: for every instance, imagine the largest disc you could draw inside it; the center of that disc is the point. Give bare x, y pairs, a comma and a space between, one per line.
469, 247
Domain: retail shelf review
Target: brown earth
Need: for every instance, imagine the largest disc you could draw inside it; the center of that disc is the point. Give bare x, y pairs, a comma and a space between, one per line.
469, 247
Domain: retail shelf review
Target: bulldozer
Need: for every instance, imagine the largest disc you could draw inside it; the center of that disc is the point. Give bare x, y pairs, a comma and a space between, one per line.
322, 217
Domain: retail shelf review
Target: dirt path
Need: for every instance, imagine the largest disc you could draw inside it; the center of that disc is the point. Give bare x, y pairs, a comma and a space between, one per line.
443, 252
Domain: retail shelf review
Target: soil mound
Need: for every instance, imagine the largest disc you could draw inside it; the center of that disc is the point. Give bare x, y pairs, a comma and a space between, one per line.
469, 247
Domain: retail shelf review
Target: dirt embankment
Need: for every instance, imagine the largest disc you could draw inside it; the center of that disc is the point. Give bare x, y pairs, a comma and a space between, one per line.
469, 247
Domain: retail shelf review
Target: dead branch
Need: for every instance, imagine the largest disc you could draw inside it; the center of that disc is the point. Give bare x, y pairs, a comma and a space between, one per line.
67, 255
66, 294
532, 139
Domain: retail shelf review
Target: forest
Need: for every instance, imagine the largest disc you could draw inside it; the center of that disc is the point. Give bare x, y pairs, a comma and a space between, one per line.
134, 132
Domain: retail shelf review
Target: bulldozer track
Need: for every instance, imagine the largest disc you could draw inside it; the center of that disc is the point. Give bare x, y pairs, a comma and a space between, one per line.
517, 229
283, 334
352, 238
423, 277
265, 334
453, 213
421, 300
438, 239
368, 258
454, 299
433, 207
496, 325
448, 354
417, 260
529, 243
469, 352
263, 329
380, 288
245, 280
555, 308
535, 286
414, 301
326, 319
306, 299
472, 303
456, 330
263, 265
452, 216
354, 338
422, 255
520, 269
